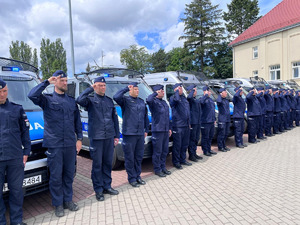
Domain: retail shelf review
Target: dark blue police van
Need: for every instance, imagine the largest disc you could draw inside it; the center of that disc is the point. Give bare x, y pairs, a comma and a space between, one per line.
21, 78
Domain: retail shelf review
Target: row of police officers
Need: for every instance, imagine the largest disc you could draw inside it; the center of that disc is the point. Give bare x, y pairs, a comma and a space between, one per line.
268, 109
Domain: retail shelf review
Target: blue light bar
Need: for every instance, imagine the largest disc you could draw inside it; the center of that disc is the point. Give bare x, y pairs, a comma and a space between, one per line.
105, 75
10, 68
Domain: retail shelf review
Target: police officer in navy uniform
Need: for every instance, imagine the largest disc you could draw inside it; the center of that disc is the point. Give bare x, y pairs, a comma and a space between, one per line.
253, 113
262, 117
269, 111
238, 117
62, 137
14, 129
297, 117
195, 112
135, 128
208, 119
293, 105
277, 112
161, 130
284, 106
223, 120
180, 126
103, 134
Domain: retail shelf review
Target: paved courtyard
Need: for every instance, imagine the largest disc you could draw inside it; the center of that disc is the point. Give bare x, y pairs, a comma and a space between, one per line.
256, 185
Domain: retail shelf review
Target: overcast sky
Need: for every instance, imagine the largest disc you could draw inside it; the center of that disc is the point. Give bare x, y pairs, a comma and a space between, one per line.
98, 25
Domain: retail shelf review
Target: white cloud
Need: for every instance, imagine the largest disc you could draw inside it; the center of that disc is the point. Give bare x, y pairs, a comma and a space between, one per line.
169, 38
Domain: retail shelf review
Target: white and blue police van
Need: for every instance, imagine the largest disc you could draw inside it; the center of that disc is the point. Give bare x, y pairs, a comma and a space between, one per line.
116, 79
20, 78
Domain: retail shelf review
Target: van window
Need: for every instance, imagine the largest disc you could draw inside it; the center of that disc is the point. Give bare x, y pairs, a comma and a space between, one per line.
18, 91
83, 86
169, 91
71, 90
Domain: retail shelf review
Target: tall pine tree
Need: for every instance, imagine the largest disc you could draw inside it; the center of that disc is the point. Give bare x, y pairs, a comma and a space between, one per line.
203, 29
241, 15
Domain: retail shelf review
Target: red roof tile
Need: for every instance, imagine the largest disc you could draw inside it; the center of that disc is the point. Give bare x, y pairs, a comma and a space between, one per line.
285, 14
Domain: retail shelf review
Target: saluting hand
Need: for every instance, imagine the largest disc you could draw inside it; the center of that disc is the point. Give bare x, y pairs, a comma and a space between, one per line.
52, 80
130, 87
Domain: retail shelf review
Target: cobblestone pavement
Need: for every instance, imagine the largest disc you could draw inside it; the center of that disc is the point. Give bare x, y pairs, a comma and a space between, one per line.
259, 184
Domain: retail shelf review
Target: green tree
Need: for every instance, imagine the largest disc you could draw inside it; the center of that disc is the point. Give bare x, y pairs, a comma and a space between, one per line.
179, 59
241, 15
203, 30
136, 58
88, 67
159, 61
221, 62
20, 51
53, 57
35, 61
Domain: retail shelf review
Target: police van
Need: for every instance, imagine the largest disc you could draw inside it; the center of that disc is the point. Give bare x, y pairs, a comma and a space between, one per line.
168, 79
20, 80
116, 79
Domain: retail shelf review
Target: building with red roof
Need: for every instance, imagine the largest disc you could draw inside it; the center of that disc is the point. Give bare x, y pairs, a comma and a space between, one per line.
270, 48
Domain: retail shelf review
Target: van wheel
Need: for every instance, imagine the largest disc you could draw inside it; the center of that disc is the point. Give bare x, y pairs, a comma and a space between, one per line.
116, 163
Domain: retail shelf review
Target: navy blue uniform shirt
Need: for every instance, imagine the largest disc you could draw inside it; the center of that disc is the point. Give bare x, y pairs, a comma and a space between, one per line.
208, 114
263, 103
277, 103
253, 105
283, 100
224, 111
160, 113
239, 106
134, 113
269, 101
14, 132
103, 119
61, 117
180, 110
195, 108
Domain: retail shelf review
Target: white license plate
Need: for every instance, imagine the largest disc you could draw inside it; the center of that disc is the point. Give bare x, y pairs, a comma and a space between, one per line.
29, 181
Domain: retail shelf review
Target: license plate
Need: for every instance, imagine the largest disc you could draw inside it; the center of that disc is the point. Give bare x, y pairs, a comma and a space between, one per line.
29, 181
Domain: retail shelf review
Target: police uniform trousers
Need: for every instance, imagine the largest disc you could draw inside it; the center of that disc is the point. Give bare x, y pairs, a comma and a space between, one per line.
61, 162
223, 131
194, 139
160, 144
287, 119
293, 117
207, 134
253, 122
261, 126
181, 136
276, 122
268, 122
101, 152
297, 118
133, 147
239, 126
14, 170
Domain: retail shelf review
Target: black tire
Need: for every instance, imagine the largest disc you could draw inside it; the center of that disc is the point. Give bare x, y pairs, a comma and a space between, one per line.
116, 163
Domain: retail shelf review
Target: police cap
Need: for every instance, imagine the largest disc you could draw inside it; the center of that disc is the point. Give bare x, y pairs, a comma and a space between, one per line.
59, 73
158, 87
260, 88
221, 90
205, 88
177, 85
274, 89
134, 84
2, 84
100, 79
281, 89
191, 87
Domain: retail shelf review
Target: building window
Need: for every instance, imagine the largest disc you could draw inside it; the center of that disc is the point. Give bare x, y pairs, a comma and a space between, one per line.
255, 73
275, 72
255, 52
296, 69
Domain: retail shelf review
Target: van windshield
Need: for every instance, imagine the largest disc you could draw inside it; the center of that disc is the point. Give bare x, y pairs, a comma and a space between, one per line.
113, 87
18, 91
